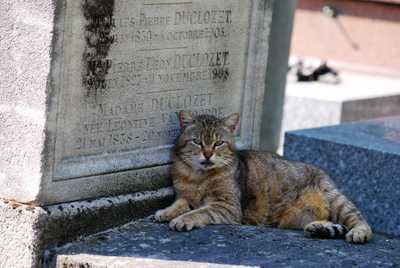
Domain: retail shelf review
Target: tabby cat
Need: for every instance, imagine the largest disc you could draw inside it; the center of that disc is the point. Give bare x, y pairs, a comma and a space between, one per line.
215, 184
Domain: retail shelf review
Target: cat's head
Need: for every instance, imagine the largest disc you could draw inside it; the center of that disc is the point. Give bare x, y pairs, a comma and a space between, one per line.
207, 142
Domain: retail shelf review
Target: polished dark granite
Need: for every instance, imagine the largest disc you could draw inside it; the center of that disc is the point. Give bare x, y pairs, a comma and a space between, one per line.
363, 158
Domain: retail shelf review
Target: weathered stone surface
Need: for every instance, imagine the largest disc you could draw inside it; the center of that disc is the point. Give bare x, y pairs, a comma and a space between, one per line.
109, 77
357, 97
25, 47
26, 230
146, 244
363, 159
156, 58
21, 235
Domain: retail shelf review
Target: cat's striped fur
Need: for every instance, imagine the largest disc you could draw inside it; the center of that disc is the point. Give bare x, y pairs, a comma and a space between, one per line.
215, 184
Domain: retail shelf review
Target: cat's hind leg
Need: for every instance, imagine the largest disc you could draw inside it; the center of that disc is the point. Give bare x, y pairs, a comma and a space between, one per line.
324, 229
311, 212
310, 206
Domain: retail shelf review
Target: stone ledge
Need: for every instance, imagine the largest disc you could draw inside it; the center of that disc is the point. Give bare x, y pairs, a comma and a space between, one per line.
26, 230
147, 244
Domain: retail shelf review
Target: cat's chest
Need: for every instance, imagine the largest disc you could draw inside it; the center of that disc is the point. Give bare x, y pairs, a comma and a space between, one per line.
194, 192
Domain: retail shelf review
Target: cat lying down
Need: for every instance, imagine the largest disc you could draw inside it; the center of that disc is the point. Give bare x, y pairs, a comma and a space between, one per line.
215, 184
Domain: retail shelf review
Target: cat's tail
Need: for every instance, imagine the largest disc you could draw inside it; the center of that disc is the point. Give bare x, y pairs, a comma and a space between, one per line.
325, 229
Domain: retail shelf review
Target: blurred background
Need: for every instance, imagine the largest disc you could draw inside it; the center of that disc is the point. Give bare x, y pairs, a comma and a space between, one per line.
344, 63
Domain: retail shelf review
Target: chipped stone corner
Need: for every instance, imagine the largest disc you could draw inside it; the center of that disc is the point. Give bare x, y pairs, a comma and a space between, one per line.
21, 232
27, 230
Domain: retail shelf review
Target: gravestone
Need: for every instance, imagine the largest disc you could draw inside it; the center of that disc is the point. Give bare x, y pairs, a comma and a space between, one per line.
120, 71
89, 94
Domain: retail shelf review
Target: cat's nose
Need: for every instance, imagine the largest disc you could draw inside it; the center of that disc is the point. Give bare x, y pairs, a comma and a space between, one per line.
207, 154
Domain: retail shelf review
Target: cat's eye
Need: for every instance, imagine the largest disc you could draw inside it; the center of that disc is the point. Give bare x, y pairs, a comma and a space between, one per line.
218, 143
197, 142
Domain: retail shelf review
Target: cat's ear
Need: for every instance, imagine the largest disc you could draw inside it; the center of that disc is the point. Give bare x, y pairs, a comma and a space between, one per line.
231, 121
185, 118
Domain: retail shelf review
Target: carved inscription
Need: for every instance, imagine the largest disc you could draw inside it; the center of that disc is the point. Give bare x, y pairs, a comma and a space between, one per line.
131, 65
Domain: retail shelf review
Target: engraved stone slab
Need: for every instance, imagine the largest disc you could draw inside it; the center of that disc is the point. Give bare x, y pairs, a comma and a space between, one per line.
129, 68
120, 72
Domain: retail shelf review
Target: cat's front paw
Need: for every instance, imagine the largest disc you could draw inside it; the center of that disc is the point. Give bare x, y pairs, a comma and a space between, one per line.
359, 234
185, 223
163, 215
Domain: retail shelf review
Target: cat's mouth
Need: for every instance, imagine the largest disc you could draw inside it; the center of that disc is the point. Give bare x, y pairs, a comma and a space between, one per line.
207, 163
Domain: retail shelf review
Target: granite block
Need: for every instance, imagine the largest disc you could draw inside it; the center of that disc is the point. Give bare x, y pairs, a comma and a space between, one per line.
363, 159
147, 244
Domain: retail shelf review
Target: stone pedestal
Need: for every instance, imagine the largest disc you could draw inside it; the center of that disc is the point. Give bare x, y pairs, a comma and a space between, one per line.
363, 159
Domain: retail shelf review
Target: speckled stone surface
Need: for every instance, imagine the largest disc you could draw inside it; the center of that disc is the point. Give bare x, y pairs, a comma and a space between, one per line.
363, 159
157, 246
